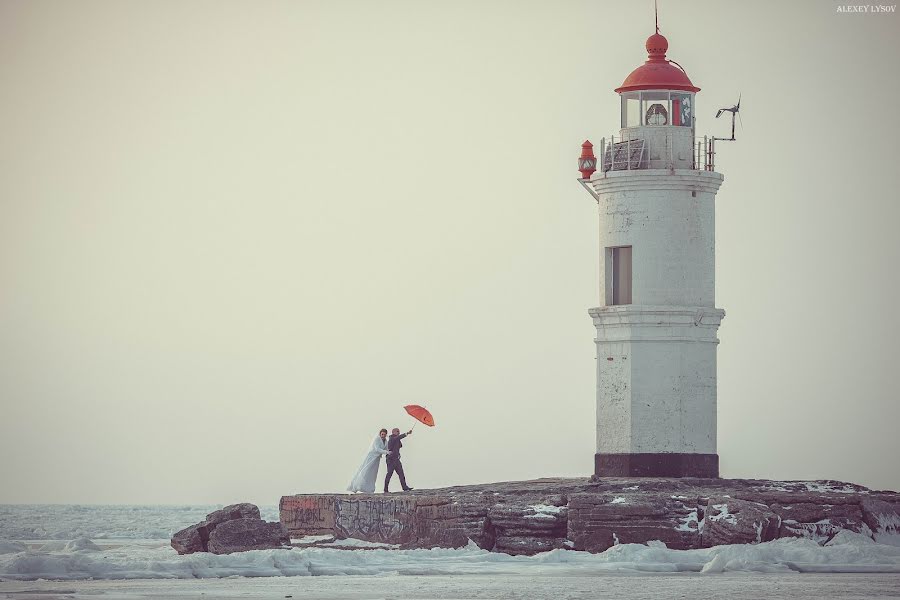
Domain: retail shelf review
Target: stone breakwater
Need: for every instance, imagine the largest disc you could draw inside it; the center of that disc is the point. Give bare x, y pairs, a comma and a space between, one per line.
528, 517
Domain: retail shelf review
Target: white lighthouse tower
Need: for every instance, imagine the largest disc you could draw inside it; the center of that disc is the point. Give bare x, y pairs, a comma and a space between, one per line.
657, 318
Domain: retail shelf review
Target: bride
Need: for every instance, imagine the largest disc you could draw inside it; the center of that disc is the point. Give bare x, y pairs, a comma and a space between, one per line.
364, 480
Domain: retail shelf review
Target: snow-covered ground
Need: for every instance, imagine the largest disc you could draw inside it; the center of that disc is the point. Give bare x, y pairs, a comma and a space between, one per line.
113, 551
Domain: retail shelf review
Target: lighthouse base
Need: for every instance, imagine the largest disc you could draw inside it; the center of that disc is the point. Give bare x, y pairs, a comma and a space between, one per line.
665, 464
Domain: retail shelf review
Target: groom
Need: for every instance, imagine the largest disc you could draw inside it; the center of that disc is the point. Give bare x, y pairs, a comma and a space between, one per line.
393, 459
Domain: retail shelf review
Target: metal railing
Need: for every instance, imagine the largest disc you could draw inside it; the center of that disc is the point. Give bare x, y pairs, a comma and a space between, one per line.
631, 154
705, 156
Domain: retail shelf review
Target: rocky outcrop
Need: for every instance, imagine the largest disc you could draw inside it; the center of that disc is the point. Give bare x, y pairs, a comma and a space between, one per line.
239, 535
191, 539
598, 521
234, 528
244, 510
732, 521
881, 517
593, 514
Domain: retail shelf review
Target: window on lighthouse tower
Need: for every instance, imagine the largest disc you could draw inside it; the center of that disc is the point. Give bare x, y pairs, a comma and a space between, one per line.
618, 275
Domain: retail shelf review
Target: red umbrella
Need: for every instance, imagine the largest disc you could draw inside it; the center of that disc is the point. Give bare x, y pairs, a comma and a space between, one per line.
420, 413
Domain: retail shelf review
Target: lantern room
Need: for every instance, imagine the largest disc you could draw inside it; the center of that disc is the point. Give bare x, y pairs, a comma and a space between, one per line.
657, 107
659, 92
657, 117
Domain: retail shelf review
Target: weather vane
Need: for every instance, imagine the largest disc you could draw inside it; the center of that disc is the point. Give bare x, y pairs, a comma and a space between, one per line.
734, 110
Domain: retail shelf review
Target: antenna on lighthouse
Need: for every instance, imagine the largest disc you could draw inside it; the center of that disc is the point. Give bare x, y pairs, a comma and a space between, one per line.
656, 15
734, 110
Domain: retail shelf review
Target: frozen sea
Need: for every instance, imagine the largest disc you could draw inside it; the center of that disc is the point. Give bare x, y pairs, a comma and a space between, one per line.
105, 552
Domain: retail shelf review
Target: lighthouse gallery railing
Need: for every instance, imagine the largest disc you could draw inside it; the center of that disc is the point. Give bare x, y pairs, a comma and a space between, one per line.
626, 155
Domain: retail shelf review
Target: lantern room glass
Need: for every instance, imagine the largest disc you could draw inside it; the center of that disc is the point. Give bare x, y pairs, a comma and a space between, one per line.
657, 108
631, 109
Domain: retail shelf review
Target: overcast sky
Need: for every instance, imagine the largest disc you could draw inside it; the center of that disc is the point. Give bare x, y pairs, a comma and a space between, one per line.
237, 237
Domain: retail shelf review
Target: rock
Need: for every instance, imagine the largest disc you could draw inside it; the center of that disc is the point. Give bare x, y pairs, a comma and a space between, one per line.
191, 539
818, 519
732, 521
526, 517
196, 537
244, 510
881, 517
528, 526
238, 535
308, 515
597, 522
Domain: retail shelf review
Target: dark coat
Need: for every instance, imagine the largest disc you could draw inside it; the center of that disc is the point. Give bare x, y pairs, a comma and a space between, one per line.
394, 445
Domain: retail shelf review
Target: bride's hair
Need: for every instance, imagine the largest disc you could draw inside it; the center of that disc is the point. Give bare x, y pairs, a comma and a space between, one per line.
383, 431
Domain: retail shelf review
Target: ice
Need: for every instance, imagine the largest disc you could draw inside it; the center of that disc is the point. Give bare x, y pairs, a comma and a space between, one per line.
847, 552
7, 547
889, 539
68, 522
82, 558
82, 544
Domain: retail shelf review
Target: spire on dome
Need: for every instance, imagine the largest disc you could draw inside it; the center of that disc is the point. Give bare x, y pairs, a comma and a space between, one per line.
658, 73
656, 15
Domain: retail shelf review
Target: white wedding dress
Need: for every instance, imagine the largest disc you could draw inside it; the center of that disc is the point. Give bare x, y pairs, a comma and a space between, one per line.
364, 480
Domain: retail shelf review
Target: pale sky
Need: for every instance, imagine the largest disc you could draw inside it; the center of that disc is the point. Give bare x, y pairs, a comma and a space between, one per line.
237, 237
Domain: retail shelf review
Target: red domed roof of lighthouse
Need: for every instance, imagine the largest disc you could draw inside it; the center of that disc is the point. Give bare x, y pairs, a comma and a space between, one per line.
657, 73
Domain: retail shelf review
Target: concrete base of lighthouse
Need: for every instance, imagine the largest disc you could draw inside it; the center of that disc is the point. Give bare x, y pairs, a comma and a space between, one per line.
662, 464
656, 391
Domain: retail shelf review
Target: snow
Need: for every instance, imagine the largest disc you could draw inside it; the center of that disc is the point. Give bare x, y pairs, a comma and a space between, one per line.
723, 515
352, 543
631, 488
814, 486
312, 539
105, 558
690, 519
540, 515
618, 500
888, 524
546, 508
847, 552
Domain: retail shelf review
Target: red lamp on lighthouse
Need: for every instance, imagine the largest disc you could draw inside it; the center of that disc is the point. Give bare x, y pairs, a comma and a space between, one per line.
587, 162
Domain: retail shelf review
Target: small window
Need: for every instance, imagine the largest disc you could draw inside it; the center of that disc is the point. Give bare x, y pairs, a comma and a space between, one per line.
619, 286
631, 109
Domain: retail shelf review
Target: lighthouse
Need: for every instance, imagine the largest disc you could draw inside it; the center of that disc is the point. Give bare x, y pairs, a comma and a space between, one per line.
656, 323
